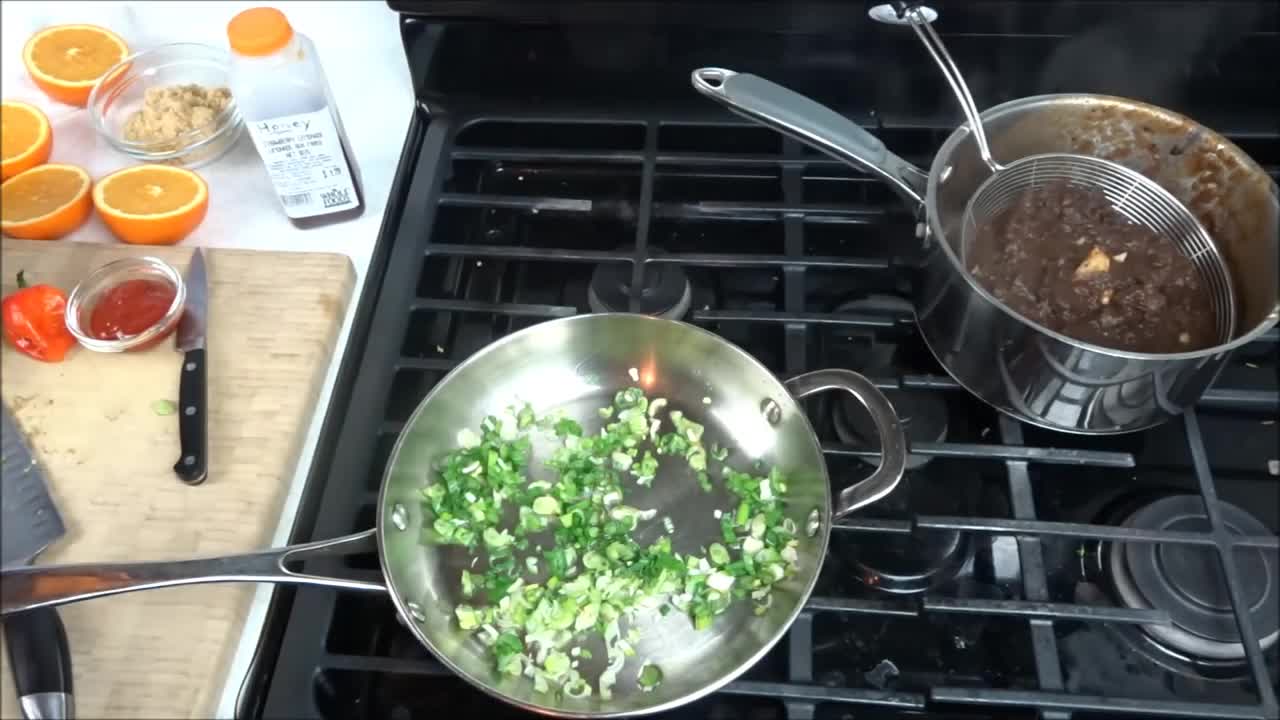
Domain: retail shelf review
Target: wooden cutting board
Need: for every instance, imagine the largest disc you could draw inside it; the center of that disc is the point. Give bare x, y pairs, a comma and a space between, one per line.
274, 318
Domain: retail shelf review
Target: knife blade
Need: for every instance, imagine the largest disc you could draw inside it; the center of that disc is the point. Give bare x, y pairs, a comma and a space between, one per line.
31, 522
193, 393
36, 641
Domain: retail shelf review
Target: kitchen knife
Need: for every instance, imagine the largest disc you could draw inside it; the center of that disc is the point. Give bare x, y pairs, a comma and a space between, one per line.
193, 394
36, 641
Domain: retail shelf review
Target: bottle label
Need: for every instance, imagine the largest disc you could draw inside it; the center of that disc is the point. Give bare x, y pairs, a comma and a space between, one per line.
306, 163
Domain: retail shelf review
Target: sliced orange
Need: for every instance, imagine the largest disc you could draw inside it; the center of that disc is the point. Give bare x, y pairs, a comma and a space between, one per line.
65, 61
152, 204
26, 138
45, 202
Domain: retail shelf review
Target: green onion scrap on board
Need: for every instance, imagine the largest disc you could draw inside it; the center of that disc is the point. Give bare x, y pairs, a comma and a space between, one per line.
596, 574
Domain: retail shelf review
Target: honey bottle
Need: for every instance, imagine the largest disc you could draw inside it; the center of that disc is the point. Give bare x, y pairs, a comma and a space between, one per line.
280, 87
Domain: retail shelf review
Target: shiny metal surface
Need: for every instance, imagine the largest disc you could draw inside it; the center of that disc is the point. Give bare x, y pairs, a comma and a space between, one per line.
1019, 367
195, 314
37, 586
819, 127
48, 706
923, 27
29, 519
1134, 196
576, 364
1047, 378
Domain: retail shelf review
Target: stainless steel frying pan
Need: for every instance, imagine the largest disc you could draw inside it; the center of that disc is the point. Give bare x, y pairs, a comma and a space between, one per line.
577, 364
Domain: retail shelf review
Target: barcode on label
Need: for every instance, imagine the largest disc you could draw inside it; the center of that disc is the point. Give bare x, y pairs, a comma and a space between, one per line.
296, 199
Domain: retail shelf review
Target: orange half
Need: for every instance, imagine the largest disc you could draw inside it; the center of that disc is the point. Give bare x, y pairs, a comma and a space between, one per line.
152, 204
26, 138
65, 61
45, 202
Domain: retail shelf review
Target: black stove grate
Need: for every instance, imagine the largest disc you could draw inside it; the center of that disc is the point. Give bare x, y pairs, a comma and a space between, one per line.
774, 241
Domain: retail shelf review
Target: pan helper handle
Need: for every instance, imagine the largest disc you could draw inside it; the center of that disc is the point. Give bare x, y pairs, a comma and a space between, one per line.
813, 124
893, 444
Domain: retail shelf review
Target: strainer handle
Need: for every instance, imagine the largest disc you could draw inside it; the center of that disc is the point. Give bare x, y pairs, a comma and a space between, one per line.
813, 124
938, 51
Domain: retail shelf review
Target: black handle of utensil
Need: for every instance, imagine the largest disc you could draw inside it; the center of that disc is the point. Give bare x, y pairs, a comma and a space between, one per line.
193, 405
41, 661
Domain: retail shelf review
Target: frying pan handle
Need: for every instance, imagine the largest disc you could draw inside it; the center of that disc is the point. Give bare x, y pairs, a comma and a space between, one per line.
893, 444
37, 586
813, 124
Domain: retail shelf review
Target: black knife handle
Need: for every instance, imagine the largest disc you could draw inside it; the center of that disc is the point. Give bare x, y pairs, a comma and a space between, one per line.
41, 661
193, 406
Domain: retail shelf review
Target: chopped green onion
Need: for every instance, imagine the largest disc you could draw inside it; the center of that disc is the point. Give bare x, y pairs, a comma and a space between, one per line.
720, 581
164, 407
718, 554
496, 539
596, 572
546, 505
467, 618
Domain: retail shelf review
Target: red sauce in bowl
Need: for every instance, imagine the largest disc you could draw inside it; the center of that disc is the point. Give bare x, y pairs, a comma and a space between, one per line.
130, 308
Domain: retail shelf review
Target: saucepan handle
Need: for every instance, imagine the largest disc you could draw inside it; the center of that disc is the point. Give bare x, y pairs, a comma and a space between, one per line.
893, 444
37, 586
813, 124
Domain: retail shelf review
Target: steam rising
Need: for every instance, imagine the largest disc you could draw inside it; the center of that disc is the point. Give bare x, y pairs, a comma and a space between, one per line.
1147, 55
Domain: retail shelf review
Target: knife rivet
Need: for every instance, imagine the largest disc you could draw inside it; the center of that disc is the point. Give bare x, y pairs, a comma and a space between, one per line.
415, 611
189, 460
190, 410
398, 517
191, 366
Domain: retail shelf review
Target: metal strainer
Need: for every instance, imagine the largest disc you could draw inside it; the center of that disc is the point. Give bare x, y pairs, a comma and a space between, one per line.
1131, 194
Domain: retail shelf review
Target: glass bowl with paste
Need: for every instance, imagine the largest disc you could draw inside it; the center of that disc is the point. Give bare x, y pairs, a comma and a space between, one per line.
170, 104
127, 305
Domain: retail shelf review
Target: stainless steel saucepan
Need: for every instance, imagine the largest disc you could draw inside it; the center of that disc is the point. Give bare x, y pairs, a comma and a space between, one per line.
1020, 367
576, 364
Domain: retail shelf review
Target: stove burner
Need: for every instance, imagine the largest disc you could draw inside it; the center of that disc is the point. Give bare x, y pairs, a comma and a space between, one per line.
667, 292
908, 564
923, 415
861, 348
1187, 582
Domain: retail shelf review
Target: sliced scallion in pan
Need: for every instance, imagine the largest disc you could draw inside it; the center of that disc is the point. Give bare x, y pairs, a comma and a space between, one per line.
535, 608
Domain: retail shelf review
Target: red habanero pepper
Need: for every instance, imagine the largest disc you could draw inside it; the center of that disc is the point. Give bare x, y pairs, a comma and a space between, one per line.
34, 321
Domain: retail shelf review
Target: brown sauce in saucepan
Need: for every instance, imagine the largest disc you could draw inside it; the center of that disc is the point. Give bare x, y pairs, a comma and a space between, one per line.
1062, 257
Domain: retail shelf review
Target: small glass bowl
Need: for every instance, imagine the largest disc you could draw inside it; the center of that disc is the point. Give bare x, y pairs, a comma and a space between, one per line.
84, 298
122, 90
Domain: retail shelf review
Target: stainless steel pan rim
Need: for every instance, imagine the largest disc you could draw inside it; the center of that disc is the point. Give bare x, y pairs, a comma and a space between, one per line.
939, 170
823, 537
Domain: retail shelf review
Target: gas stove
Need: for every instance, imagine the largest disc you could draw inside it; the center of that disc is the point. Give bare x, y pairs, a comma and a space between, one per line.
558, 163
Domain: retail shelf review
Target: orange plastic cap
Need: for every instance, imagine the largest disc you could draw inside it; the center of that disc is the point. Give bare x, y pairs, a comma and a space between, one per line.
259, 31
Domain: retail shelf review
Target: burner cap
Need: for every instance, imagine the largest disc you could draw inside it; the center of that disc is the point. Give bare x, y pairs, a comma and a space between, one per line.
912, 563
869, 350
923, 416
1187, 580
666, 294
